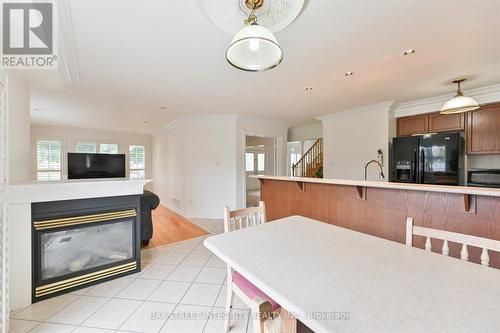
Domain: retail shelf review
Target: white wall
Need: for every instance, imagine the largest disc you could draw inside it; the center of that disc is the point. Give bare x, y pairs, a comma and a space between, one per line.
305, 132
18, 109
199, 162
70, 135
195, 166
352, 138
168, 173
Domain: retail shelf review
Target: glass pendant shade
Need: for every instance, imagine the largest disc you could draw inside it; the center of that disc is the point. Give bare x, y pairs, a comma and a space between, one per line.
254, 49
459, 104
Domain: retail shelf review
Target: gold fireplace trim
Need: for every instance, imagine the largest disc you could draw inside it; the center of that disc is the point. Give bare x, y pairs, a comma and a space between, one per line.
75, 220
79, 280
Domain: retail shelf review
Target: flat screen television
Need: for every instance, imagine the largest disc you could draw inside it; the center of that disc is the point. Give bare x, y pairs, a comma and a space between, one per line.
88, 165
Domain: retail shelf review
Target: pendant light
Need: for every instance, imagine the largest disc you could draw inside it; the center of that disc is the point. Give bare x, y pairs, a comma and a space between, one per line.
254, 48
459, 103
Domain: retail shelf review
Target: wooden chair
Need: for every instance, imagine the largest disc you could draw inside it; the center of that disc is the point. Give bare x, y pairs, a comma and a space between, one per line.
448, 236
263, 308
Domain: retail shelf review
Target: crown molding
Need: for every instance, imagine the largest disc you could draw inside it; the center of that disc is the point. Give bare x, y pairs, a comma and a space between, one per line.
195, 119
68, 59
385, 107
274, 122
482, 95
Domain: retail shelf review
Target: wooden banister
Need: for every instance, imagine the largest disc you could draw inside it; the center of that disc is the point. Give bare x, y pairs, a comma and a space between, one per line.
309, 164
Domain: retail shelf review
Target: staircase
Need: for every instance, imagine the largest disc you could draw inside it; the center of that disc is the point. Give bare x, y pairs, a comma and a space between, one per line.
311, 163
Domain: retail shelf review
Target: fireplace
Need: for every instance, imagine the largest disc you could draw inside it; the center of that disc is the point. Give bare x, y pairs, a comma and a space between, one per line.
79, 243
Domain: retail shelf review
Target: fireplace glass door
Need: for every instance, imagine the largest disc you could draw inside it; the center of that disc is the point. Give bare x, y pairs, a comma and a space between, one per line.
82, 248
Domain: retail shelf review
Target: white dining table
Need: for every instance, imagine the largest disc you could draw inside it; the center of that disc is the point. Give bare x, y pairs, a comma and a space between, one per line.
334, 279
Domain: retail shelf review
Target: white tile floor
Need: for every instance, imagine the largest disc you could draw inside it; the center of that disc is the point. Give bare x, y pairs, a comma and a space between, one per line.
177, 281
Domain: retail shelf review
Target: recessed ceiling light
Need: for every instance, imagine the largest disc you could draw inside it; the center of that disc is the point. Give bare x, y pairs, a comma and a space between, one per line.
163, 107
349, 74
409, 52
147, 122
37, 109
309, 88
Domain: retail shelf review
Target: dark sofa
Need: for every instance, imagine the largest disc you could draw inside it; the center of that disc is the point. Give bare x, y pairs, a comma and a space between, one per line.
149, 202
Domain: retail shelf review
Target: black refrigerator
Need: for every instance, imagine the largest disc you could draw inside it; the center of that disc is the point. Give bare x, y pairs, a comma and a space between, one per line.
428, 159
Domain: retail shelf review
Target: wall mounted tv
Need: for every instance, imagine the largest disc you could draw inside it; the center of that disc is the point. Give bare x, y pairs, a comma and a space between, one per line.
87, 165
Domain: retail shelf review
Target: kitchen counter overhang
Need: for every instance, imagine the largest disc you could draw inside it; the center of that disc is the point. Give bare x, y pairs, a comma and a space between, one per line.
485, 191
381, 208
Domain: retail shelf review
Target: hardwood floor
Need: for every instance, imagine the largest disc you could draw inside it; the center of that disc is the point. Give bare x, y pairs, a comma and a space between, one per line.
170, 227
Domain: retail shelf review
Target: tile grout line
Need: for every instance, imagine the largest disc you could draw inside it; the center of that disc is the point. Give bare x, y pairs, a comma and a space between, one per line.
93, 313
180, 300
123, 323
146, 299
136, 276
117, 298
119, 328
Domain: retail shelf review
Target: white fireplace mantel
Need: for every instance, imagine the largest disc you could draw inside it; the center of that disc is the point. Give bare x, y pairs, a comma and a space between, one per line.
20, 198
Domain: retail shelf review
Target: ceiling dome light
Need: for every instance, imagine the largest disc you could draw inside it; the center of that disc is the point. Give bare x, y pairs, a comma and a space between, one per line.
254, 48
459, 103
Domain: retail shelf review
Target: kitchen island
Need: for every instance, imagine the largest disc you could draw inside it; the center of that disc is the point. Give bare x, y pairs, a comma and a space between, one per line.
381, 208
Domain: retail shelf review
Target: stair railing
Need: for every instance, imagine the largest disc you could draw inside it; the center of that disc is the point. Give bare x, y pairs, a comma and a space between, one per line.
310, 162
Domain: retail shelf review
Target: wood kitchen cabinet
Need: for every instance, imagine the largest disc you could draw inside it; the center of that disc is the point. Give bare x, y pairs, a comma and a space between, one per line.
430, 123
446, 122
483, 130
413, 125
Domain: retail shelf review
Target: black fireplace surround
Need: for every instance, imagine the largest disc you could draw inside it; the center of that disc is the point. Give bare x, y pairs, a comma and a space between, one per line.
80, 243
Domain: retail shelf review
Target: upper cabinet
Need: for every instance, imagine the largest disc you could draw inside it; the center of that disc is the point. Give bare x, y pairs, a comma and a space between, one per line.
483, 130
446, 122
430, 123
413, 125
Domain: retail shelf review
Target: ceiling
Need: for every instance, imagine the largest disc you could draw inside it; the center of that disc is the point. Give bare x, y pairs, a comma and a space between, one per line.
134, 56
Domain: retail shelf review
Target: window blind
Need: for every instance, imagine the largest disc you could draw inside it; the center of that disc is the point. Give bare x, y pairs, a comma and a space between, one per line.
137, 161
48, 160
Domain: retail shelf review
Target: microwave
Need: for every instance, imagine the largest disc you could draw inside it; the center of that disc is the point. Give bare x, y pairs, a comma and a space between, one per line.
483, 177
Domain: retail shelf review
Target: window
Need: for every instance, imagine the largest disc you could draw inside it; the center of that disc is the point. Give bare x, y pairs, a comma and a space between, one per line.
137, 162
294, 158
261, 162
249, 162
86, 147
294, 154
48, 160
108, 148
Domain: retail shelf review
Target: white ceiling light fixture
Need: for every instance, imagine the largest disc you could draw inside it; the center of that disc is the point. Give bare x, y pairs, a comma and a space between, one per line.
254, 48
459, 103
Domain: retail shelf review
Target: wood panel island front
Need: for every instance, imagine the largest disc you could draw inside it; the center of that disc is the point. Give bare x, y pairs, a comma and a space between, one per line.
381, 208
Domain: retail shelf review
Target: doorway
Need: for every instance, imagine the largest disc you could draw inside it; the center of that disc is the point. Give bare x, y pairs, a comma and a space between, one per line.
260, 159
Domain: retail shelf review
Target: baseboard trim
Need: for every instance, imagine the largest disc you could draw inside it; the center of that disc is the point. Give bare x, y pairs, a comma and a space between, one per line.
174, 209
